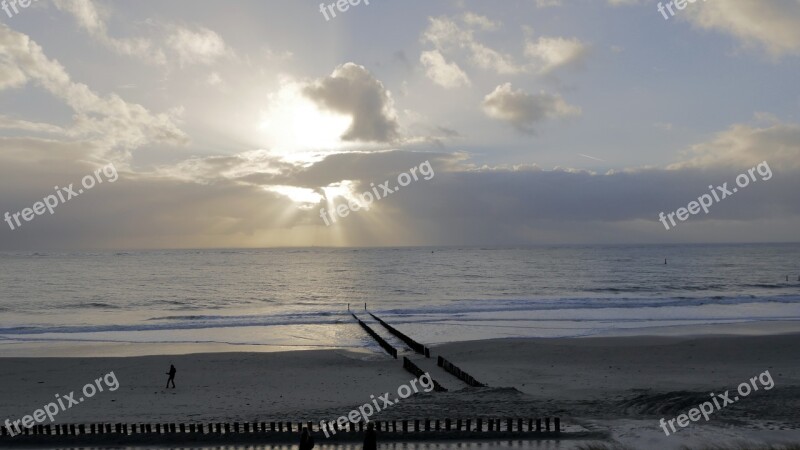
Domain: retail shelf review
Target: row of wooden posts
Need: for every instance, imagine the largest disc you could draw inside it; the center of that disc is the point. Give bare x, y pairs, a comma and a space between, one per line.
419, 373
385, 345
458, 373
405, 426
414, 345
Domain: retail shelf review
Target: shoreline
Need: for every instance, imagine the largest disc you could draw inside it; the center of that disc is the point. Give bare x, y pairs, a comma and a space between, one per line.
86, 349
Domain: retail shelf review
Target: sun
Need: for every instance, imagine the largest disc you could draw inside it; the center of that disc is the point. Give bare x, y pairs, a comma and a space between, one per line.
292, 124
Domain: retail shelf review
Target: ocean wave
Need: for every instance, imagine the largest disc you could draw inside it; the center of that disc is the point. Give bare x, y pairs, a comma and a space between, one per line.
460, 311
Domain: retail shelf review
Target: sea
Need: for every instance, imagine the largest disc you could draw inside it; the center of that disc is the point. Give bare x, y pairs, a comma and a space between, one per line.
112, 302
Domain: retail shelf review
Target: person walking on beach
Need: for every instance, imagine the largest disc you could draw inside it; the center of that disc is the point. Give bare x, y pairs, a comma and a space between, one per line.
370, 438
171, 374
306, 440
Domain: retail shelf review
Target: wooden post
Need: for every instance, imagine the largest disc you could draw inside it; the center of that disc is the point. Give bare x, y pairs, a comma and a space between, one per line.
133, 428
469, 425
427, 424
310, 426
538, 425
148, 428
360, 426
352, 427
394, 426
509, 425
405, 426
236, 427
183, 428
416, 426
280, 427
547, 424
479, 426
158, 428
557, 425
272, 426
119, 428
447, 424
458, 424
437, 425
519, 425
227, 428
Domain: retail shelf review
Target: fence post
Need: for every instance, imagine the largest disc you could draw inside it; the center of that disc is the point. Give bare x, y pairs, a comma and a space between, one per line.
557, 425
547, 424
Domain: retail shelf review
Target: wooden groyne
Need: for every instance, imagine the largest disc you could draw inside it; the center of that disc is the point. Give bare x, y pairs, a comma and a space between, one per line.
458, 373
414, 345
381, 341
417, 372
286, 432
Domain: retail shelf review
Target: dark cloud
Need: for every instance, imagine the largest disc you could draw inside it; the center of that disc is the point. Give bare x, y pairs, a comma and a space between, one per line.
353, 91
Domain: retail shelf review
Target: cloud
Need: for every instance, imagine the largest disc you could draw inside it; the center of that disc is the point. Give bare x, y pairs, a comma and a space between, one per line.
353, 91
110, 119
524, 110
10, 76
446, 35
92, 20
481, 22
190, 45
773, 26
742, 146
198, 46
555, 52
441, 72
547, 3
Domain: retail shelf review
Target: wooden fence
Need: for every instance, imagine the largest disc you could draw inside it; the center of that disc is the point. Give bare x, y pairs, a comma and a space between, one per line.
417, 372
414, 345
458, 373
385, 345
479, 425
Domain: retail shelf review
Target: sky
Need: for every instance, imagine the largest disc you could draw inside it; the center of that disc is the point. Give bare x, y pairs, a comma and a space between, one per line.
211, 124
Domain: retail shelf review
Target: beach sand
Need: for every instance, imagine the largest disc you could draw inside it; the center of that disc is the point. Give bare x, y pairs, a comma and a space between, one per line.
623, 384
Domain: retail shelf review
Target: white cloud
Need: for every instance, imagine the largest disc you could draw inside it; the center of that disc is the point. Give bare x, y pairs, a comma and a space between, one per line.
555, 52
441, 72
773, 26
446, 35
524, 110
198, 46
481, 22
742, 146
90, 18
110, 120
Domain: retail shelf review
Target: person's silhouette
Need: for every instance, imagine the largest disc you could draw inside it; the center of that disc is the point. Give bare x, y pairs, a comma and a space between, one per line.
171, 374
306, 440
370, 438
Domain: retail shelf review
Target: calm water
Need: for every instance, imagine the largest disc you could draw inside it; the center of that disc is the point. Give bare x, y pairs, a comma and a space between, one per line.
297, 298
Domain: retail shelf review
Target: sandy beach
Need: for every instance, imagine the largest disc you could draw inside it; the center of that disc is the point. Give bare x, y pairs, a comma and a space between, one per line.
619, 384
